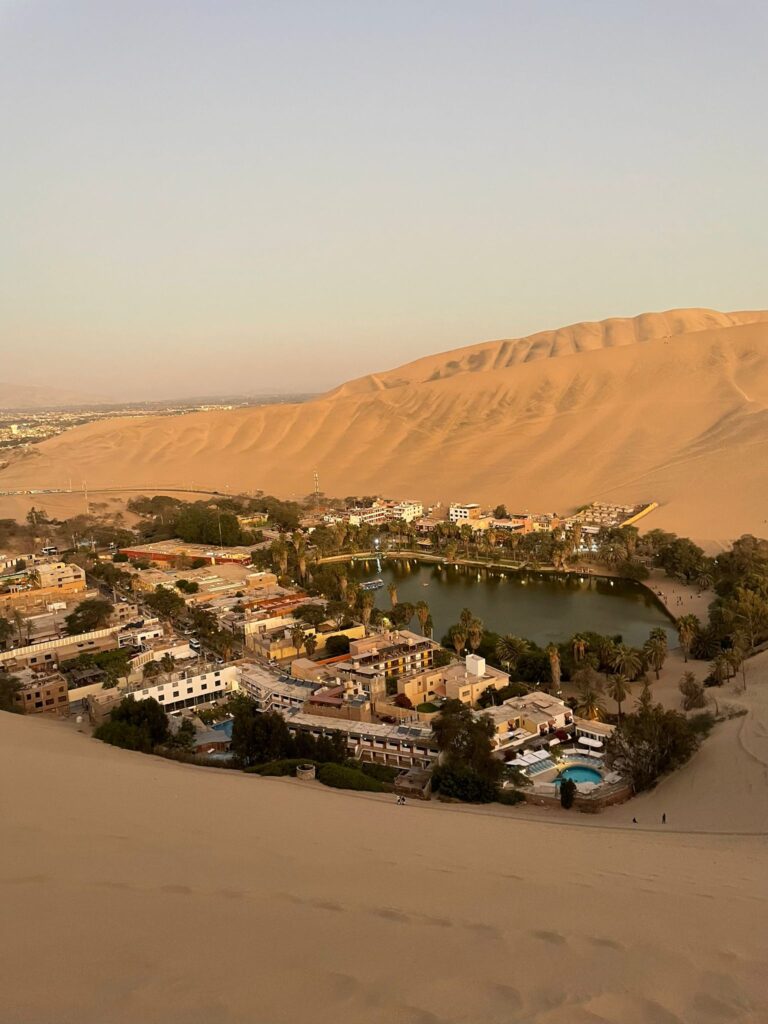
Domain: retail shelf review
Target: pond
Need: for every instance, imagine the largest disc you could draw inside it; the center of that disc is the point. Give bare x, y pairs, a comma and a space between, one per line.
544, 607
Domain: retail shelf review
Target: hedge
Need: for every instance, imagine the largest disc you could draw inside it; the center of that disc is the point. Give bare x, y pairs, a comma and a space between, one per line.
339, 776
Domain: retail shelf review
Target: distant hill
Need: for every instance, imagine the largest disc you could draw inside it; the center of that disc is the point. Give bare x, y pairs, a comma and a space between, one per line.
666, 406
28, 396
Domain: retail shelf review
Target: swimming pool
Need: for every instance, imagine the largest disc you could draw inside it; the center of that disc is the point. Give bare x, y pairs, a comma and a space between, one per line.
579, 773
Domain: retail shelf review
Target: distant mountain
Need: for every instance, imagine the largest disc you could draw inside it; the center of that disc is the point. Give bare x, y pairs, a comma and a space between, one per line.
671, 407
29, 396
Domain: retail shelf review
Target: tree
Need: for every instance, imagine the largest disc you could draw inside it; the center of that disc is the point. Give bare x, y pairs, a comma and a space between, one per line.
467, 765
475, 633
136, 725
553, 654
6, 632
458, 638
627, 661
310, 644
9, 687
297, 638
151, 670
509, 648
366, 607
336, 645
422, 614
167, 603
500, 512
402, 700
687, 628
618, 689
692, 691
567, 793
650, 742
589, 702
392, 591
93, 613
655, 652
168, 665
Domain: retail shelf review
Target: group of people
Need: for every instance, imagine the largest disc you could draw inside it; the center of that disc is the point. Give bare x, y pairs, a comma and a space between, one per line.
401, 801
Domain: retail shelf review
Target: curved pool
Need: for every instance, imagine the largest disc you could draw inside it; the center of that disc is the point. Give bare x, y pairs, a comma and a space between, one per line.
579, 773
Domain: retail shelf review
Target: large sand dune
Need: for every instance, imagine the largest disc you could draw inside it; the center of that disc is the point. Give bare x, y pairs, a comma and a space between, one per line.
667, 406
135, 889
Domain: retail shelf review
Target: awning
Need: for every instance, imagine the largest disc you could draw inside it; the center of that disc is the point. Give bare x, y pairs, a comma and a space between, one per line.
590, 742
554, 743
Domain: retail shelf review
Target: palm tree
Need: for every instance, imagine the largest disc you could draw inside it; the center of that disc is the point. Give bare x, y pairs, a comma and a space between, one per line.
168, 665
310, 644
627, 661
590, 704
579, 647
509, 649
720, 669
655, 652
151, 670
429, 626
475, 633
392, 591
458, 637
297, 638
366, 607
687, 628
18, 621
618, 689
554, 666
422, 614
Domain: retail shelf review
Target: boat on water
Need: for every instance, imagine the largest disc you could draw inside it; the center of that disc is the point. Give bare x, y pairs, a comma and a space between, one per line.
376, 584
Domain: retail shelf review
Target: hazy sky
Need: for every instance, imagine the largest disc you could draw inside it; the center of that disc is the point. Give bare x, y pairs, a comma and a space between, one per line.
239, 196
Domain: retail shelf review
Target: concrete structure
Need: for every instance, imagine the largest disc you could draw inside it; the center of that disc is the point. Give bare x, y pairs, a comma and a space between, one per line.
41, 584
468, 681
46, 695
374, 516
408, 511
48, 655
179, 693
530, 719
401, 746
227, 580
393, 653
176, 552
463, 513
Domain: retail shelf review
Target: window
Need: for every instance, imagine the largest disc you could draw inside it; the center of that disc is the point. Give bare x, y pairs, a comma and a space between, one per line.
62, 700
189, 689
204, 686
161, 697
38, 703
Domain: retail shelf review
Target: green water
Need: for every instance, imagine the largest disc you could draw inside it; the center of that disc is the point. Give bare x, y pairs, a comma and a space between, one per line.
540, 606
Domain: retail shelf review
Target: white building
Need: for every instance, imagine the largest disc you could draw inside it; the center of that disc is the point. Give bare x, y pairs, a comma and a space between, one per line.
186, 693
463, 513
374, 516
408, 511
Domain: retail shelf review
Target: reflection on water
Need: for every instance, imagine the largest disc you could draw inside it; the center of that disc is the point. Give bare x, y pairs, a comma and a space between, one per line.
542, 606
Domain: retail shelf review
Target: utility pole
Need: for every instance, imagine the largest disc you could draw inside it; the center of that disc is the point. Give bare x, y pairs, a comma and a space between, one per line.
317, 492
85, 492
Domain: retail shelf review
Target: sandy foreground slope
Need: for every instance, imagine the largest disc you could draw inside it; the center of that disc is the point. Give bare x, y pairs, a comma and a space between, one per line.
135, 889
667, 406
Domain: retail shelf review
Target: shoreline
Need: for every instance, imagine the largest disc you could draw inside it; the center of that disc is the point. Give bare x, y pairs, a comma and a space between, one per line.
669, 594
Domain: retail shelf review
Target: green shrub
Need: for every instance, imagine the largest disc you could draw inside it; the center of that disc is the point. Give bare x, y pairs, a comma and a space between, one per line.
382, 772
462, 783
285, 766
341, 776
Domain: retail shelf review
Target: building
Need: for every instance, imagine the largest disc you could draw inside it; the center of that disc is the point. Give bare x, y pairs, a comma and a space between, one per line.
532, 719
46, 695
401, 746
408, 511
373, 516
46, 582
178, 552
468, 681
187, 692
393, 653
46, 656
228, 580
463, 513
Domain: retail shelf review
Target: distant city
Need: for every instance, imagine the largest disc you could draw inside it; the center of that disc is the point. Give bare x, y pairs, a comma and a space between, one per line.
22, 427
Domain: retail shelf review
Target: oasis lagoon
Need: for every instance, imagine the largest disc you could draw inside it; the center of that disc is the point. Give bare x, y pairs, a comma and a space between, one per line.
544, 607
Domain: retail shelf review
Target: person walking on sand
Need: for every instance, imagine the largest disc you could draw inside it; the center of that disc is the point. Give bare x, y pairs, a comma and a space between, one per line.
634, 821
664, 818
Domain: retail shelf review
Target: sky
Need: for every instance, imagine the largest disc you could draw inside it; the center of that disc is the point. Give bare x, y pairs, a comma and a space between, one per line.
215, 196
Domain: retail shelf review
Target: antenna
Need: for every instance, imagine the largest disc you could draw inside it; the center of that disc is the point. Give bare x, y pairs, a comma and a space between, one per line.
317, 491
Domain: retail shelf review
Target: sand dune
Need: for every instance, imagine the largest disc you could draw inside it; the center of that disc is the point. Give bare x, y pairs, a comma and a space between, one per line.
670, 406
143, 890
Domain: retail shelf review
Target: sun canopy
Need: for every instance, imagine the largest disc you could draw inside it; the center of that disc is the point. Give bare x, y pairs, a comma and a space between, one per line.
589, 741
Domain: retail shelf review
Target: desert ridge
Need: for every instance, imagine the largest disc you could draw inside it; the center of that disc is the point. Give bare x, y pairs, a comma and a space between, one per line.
669, 407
